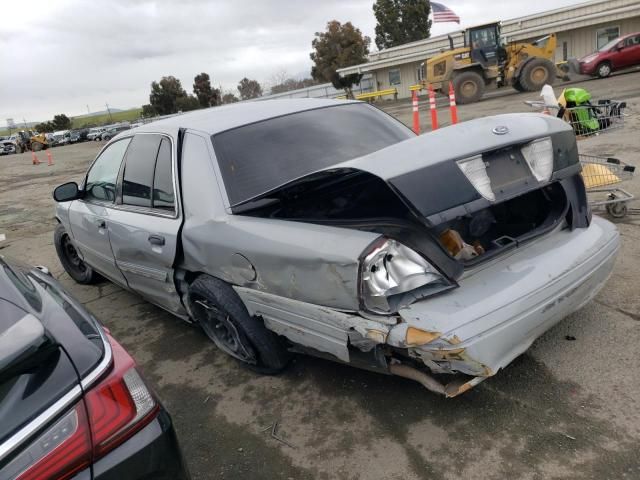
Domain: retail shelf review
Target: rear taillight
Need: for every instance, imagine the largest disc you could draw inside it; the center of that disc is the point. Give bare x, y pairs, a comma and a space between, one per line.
114, 409
119, 405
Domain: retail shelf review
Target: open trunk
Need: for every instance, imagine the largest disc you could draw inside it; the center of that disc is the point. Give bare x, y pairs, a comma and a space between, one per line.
459, 195
359, 200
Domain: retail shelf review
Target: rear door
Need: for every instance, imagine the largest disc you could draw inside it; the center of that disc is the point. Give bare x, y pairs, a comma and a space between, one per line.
146, 221
90, 217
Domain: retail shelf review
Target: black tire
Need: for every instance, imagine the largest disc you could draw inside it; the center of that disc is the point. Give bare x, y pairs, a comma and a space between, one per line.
226, 321
617, 210
536, 74
73, 265
469, 87
106, 138
518, 87
603, 70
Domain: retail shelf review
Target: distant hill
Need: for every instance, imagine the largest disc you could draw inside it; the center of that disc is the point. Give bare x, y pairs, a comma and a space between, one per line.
95, 114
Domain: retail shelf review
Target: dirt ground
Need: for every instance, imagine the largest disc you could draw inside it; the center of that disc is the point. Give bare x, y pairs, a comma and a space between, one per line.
565, 409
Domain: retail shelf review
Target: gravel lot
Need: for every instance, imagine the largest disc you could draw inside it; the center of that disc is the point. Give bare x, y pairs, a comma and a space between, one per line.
565, 409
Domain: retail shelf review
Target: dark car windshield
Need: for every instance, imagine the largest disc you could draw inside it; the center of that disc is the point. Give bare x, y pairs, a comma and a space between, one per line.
259, 157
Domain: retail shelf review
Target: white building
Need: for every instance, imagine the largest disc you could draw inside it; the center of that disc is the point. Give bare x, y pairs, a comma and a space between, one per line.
581, 29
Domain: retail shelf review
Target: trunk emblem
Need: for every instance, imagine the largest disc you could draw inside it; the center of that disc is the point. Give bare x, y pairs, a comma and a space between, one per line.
500, 130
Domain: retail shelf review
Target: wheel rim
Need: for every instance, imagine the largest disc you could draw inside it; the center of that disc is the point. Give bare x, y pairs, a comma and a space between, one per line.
219, 328
468, 88
539, 75
71, 254
604, 70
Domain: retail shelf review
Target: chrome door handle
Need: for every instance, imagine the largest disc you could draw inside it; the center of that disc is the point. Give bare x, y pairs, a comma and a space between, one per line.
156, 240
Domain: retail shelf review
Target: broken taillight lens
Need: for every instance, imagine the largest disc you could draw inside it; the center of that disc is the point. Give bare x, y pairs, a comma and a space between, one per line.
392, 274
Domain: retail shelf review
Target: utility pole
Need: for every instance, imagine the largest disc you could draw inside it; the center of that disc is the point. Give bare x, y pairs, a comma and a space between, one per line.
24, 122
108, 110
88, 111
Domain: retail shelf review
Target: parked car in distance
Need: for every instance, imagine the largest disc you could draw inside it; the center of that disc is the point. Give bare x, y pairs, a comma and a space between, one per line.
329, 228
61, 137
7, 146
94, 133
72, 403
623, 52
74, 136
112, 132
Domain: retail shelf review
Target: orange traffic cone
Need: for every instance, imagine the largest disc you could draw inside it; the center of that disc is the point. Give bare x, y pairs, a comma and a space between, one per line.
432, 106
452, 104
49, 158
34, 158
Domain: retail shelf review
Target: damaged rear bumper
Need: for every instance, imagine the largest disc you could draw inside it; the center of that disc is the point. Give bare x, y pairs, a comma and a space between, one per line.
502, 307
497, 312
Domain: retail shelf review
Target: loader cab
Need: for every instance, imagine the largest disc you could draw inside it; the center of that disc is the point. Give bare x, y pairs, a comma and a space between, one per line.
484, 44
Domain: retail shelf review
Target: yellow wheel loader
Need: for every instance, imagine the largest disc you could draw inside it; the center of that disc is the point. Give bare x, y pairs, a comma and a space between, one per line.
28, 140
484, 60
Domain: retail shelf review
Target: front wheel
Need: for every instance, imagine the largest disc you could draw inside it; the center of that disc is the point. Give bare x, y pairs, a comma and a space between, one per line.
70, 260
604, 70
617, 209
469, 87
226, 321
536, 74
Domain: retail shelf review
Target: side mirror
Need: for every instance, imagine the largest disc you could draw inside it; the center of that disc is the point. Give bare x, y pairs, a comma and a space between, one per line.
620, 46
66, 192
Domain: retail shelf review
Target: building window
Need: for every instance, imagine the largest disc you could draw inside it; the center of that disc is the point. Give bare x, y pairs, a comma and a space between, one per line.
420, 75
605, 35
394, 76
565, 51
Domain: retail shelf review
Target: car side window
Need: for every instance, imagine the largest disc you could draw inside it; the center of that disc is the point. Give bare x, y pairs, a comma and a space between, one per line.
101, 179
139, 169
163, 196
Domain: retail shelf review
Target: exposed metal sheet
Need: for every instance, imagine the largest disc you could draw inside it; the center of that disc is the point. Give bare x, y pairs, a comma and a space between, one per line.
321, 328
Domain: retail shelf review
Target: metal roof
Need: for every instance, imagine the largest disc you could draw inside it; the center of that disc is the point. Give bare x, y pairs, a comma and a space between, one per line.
218, 119
557, 20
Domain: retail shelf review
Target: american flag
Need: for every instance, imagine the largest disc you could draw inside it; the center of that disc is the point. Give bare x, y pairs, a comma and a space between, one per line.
443, 14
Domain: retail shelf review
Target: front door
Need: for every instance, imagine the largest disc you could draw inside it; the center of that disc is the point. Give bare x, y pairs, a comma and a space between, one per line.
90, 217
145, 223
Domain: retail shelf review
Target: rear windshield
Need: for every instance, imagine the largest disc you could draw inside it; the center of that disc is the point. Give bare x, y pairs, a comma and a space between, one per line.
257, 158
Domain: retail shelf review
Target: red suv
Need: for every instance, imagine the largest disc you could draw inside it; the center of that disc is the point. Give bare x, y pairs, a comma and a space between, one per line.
620, 53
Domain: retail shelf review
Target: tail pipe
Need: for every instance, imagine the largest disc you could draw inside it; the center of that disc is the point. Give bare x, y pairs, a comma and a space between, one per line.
452, 389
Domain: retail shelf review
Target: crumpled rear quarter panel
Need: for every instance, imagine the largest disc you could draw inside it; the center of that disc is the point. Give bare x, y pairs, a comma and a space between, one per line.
310, 263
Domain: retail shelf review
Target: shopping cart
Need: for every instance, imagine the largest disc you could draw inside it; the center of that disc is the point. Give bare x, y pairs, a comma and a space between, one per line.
601, 175
588, 120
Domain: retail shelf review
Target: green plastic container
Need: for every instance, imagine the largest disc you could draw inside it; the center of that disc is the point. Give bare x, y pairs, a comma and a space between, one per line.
577, 96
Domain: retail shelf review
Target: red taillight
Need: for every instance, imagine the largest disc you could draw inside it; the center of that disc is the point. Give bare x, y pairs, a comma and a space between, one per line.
117, 407
63, 450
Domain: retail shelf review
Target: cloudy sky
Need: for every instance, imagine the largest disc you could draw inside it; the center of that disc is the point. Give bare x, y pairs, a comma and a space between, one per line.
60, 56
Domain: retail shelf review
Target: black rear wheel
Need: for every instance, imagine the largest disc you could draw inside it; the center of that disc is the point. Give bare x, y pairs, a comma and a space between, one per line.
469, 87
226, 321
70, 260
